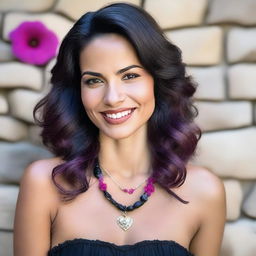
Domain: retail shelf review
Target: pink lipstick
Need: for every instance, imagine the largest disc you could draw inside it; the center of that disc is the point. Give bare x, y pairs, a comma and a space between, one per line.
117, 116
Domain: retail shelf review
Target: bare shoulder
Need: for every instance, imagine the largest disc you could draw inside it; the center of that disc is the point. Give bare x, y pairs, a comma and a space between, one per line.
43, 166
204, 184
36, 209
40, 171
38, 177
209, 203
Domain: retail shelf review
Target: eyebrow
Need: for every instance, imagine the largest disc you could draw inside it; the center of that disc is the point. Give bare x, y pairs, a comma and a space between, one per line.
118, 72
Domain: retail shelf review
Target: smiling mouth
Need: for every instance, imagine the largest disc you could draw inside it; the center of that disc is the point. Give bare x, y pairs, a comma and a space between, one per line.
117, 117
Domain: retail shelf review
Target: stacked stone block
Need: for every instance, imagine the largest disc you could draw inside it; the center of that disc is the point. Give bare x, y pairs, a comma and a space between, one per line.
218, 41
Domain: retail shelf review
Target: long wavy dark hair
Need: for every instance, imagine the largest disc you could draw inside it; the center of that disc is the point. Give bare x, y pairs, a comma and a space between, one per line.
69, 133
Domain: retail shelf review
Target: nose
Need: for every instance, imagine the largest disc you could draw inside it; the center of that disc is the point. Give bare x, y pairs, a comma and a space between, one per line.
114, 95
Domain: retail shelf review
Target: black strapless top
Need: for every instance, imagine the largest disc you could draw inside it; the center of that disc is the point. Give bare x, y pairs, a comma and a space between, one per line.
86, 247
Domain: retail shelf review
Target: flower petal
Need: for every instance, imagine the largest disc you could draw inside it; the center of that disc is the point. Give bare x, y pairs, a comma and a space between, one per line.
33, 42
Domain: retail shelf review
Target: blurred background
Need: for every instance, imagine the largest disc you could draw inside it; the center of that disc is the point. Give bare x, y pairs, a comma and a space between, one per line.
218, 40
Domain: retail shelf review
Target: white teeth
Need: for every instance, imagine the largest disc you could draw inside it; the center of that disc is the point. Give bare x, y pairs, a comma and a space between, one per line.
119, 114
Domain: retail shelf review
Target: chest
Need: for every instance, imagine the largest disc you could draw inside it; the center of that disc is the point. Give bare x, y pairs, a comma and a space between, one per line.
92, 216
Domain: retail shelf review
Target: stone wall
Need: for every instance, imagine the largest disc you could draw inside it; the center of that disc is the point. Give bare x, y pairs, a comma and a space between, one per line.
218, 40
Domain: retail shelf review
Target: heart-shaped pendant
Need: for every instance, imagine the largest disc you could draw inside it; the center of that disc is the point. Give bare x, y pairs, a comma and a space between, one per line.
124, 222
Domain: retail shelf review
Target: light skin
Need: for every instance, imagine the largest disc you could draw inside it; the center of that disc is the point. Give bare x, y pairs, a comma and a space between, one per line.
198, 226
112, 89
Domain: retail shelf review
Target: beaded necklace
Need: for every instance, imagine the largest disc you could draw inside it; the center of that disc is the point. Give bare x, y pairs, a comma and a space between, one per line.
124, 221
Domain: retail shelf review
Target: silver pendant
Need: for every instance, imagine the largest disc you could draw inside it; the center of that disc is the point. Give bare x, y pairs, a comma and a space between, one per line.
124, 222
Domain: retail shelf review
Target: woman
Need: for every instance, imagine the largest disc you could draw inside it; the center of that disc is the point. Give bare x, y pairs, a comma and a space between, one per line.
119, 119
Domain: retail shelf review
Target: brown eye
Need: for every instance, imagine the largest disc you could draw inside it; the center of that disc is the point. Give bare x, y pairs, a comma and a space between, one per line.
130, 76
92, 81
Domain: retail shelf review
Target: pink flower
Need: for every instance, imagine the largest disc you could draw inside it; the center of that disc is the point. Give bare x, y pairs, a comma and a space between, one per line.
33, 43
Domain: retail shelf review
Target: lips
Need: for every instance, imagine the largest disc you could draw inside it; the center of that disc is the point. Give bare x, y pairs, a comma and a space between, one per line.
117, 110
117, 116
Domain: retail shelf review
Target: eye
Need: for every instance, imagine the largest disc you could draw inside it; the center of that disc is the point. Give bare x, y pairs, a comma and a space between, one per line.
92, 81
130, 76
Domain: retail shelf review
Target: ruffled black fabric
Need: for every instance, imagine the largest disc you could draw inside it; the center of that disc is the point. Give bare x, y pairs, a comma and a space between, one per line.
86, 247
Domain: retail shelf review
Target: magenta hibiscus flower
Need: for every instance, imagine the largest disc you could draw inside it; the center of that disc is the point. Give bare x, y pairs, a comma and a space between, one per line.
33, 42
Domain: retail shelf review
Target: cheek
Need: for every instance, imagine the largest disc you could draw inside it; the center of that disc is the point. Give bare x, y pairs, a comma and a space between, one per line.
90, 99
90, 103
145, 92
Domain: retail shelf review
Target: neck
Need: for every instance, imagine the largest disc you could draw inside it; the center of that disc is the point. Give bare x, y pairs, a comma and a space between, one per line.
125, 158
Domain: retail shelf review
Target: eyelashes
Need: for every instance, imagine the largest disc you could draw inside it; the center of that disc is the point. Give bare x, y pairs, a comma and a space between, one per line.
130, 76
94, 81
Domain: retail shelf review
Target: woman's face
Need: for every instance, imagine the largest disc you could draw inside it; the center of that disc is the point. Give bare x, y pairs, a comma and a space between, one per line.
117, 92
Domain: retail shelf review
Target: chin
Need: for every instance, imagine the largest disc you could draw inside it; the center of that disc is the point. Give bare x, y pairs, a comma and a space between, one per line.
117, 135
122, 133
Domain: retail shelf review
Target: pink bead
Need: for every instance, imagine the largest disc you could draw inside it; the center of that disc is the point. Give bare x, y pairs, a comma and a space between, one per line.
131, 191
102, 185
149, 188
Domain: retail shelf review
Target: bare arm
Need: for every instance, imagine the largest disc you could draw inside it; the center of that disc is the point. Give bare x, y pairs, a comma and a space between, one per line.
207, 240
34, 211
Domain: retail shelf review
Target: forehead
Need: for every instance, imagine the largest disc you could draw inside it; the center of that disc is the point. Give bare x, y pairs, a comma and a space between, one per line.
108, 50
